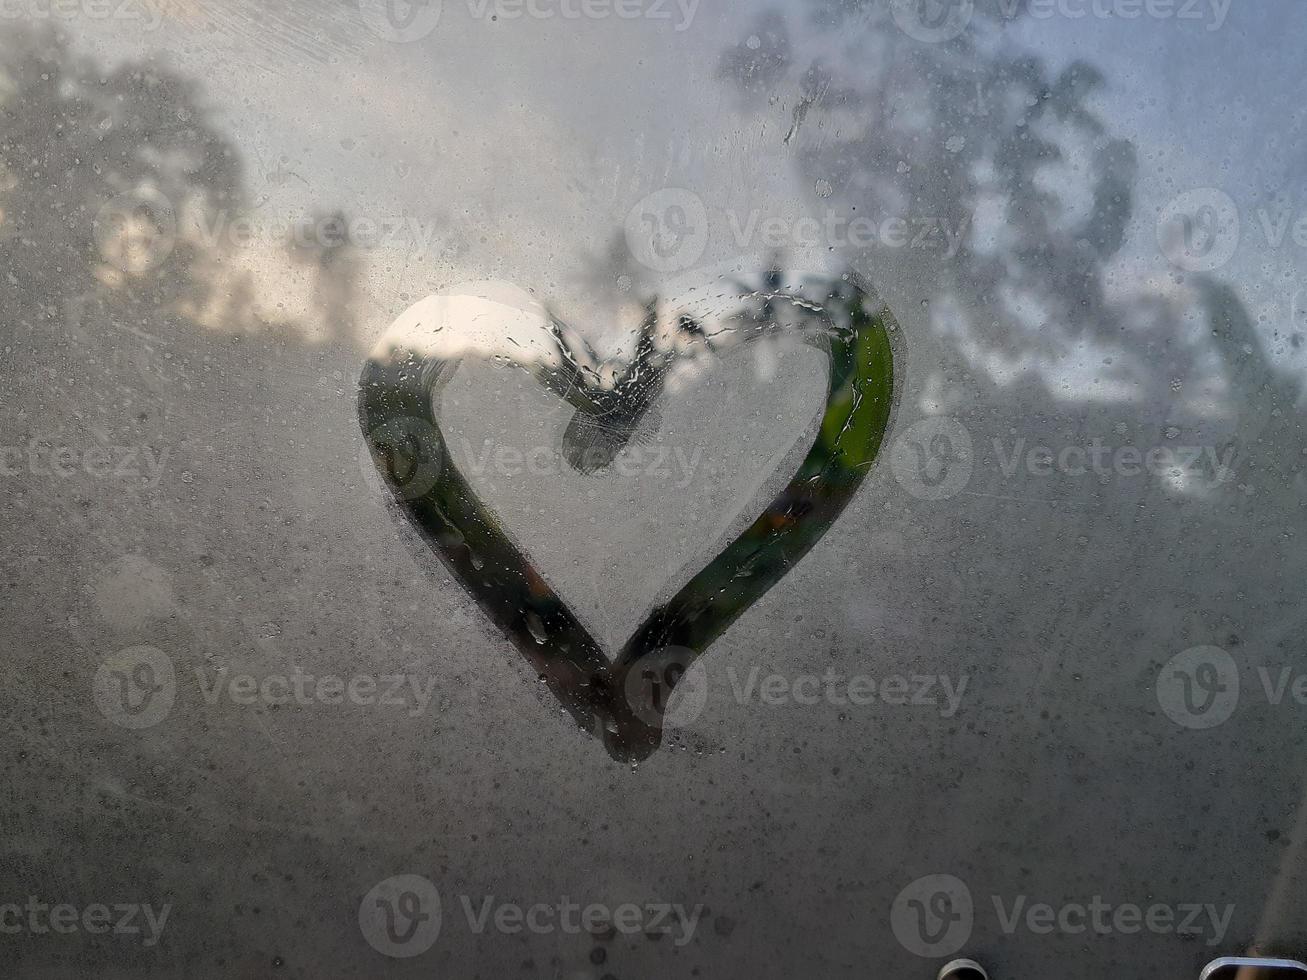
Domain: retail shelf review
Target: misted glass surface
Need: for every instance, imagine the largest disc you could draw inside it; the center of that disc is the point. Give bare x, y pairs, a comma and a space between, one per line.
639, 488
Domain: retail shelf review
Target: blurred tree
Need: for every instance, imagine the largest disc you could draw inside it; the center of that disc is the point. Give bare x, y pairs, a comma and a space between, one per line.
97, 167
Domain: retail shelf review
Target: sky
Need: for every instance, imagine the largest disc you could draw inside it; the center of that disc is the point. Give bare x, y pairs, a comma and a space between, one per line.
517, 147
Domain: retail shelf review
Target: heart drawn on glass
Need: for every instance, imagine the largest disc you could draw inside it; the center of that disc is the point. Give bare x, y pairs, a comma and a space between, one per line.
623, 701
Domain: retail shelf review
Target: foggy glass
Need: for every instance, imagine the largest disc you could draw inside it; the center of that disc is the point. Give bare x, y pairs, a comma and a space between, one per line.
623, 488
